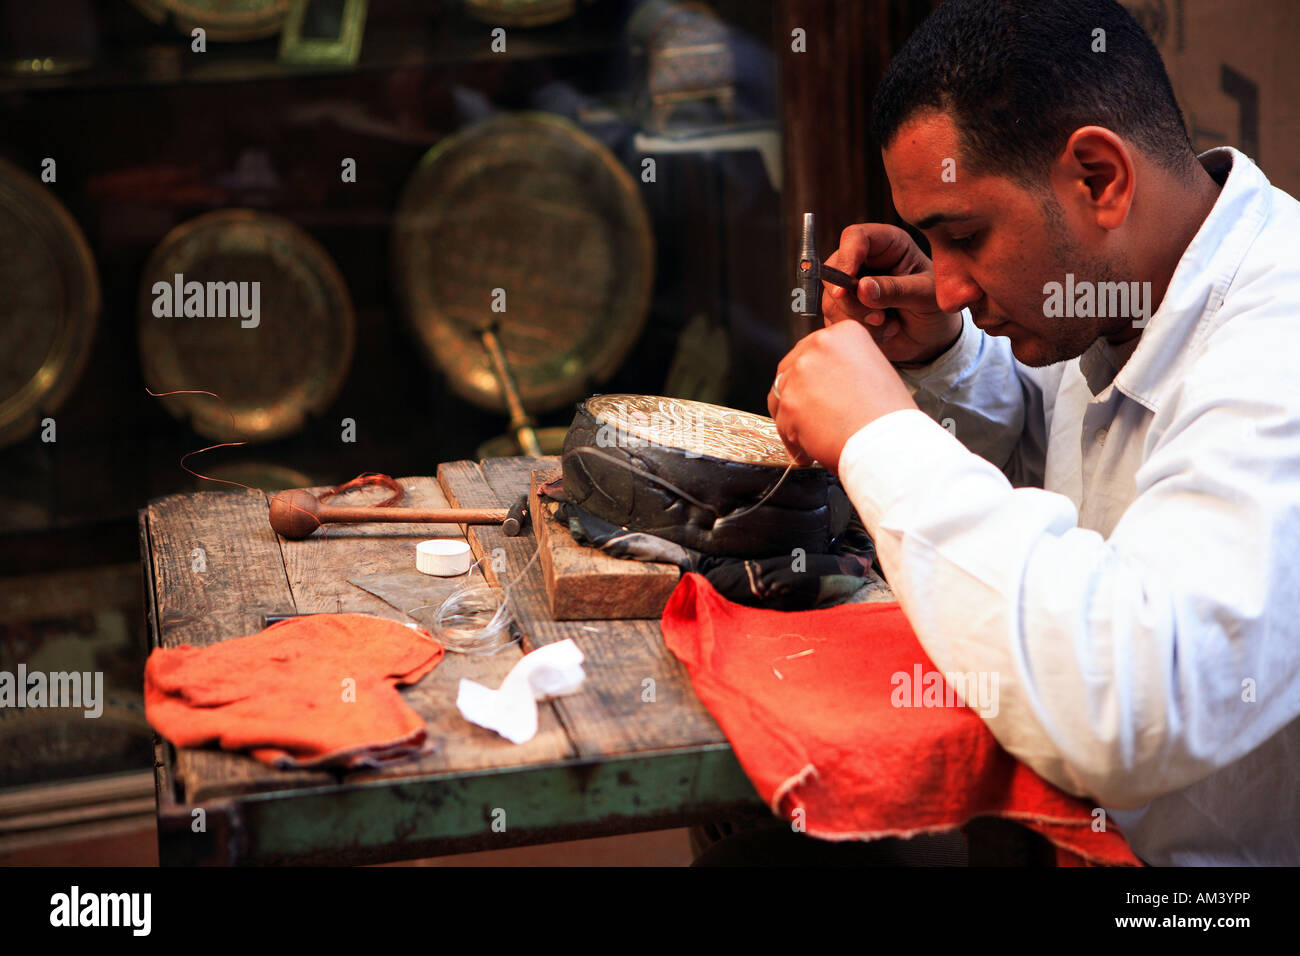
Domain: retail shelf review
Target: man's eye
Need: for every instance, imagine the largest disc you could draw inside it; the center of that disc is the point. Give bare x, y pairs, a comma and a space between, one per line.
961, 241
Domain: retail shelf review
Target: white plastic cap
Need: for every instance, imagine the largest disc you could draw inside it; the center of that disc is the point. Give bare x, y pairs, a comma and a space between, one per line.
445, 557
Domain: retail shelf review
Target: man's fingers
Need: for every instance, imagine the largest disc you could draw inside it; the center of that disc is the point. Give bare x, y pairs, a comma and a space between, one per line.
878, 246
838, 305
791, 443
793, 449
914, 292
879, 250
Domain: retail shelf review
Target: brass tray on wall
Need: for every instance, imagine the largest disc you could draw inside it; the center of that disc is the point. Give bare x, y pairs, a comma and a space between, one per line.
49, 303
292, 363
222, 20
521, 13
529, 204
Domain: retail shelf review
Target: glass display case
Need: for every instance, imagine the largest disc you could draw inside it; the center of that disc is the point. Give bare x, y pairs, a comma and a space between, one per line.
135, 121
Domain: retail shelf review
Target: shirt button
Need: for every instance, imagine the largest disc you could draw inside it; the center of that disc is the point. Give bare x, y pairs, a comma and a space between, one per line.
1101, 436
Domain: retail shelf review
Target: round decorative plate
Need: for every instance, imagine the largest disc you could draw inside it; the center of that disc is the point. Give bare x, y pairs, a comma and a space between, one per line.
272, 369
696, 428
551, 441
520, 13
226, 20
531, 215
262, 475
49, 303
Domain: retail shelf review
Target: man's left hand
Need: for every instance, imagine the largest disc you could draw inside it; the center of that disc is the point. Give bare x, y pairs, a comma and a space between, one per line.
832, 383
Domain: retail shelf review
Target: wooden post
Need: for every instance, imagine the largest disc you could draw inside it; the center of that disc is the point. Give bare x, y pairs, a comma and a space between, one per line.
832, 167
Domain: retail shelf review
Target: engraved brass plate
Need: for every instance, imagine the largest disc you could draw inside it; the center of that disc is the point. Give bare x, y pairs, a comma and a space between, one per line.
520, 13
271, 375
49, 303
227, 20
507, 446
696, 428
530, 205
262, 475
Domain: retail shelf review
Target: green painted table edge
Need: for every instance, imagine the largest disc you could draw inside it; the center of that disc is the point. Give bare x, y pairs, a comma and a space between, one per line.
441, 814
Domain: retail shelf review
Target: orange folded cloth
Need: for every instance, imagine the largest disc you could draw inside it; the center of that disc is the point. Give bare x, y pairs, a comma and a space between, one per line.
816, 713
307, 692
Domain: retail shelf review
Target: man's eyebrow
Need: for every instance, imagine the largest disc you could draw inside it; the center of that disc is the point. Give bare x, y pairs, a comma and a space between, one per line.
934, 219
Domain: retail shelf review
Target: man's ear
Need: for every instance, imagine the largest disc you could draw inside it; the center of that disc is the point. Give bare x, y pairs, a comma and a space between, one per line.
1097, 171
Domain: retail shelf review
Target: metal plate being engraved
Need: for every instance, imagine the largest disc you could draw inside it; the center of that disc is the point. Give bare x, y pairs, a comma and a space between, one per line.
530, 205
221, 19
696, 428
520, 13
259, 315
49, 303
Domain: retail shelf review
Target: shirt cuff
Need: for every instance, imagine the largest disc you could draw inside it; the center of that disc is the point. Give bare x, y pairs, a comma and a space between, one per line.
893, 456
946, 368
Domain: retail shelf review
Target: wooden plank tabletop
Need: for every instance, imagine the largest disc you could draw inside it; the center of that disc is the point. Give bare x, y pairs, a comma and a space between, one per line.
249, 571
214, 568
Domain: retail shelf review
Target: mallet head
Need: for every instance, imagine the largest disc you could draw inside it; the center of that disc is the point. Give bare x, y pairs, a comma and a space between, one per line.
294, 514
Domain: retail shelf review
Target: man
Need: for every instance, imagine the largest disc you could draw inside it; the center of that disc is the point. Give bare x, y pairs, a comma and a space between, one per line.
1110, 519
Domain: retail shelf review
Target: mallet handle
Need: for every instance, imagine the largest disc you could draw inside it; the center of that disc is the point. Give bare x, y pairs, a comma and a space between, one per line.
335, 513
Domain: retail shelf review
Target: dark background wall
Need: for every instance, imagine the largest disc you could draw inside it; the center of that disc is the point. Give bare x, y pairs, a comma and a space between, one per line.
153, 135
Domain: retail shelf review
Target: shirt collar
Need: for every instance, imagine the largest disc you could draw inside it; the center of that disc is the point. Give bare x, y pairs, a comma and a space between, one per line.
1098, 366
1201, 279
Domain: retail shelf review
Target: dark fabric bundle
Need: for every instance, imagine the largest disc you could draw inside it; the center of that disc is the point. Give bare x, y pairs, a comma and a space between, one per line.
787, 582
687, 499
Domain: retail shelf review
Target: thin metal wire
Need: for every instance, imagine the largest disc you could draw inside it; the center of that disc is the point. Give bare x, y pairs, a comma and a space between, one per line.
476, 618
642, 473
733, 515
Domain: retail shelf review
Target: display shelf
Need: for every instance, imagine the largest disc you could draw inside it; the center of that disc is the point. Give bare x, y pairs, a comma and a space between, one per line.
446, 40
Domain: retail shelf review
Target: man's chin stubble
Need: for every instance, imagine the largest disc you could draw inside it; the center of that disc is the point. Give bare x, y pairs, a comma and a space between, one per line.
1040, 353
1035, 352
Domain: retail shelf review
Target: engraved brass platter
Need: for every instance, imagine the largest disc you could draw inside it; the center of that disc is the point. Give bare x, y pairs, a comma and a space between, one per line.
262, 475
551, 441
531, 205
696, 428
225, 20
272, 375
520, 13
49, 303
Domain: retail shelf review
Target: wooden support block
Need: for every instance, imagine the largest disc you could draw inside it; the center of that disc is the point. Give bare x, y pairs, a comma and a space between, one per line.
582, 583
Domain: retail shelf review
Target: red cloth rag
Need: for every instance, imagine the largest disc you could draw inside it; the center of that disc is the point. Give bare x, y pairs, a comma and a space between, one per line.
306, 692
808, 701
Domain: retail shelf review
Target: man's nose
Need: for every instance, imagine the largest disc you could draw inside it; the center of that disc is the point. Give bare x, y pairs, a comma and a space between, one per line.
954, 289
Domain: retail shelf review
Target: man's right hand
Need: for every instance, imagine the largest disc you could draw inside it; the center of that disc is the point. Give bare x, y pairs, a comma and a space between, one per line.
915, 330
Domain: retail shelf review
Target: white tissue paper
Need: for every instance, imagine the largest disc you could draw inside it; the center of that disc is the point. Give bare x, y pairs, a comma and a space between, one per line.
550, 671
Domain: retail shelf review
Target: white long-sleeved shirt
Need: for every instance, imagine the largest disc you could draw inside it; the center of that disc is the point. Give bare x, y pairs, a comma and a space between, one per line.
1123, 550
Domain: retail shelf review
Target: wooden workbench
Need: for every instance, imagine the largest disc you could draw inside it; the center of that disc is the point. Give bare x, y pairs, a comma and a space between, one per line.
633, 750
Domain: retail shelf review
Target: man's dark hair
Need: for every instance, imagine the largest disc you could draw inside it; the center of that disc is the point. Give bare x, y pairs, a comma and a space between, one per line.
1019, 76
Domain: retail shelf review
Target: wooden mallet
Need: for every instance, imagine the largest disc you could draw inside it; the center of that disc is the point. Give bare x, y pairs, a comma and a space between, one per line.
296, 514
